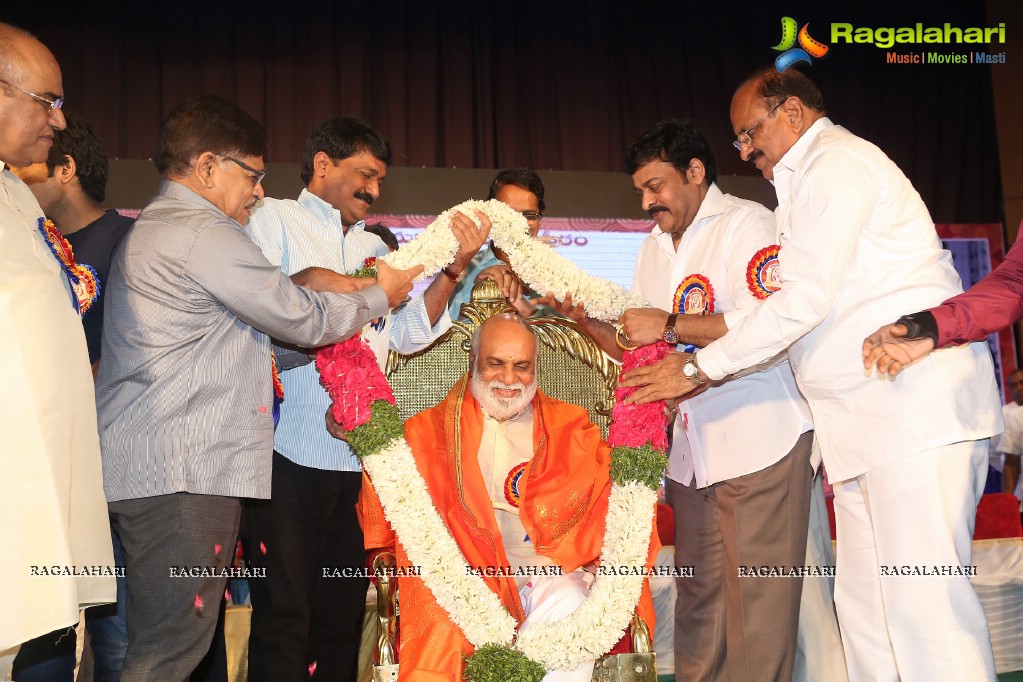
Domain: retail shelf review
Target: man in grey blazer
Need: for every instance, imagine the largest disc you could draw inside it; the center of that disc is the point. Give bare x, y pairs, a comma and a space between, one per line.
185, 391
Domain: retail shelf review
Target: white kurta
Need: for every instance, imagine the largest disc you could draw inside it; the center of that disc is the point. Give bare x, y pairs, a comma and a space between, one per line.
51, 488
858, 249
749, 422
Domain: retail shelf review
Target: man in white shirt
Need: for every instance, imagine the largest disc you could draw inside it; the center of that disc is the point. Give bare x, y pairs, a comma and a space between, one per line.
523, 190
300, 617
907, 458
739, 470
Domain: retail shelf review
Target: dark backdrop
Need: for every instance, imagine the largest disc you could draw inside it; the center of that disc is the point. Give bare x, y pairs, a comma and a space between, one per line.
553, 85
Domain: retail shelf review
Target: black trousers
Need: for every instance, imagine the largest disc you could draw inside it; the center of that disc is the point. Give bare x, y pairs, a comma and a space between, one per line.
172, 619
299, 616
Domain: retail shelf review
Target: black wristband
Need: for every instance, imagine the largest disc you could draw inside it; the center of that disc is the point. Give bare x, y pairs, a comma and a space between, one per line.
920, 325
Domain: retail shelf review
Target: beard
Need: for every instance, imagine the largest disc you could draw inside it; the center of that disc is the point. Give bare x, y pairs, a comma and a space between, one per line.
498, 407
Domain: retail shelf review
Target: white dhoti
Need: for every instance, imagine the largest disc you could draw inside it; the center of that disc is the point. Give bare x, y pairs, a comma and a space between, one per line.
547, 598
906, 607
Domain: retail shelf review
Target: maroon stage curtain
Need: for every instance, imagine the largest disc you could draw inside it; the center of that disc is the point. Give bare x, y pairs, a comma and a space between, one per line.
552, 85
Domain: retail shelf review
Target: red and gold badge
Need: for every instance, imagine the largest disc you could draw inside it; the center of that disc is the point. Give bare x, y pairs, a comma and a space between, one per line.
511, 484
762, 274
83, 278
694, 296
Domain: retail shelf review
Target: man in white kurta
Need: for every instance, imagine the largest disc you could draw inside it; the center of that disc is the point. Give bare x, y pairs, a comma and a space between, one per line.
908, 457
739, 472
56, 536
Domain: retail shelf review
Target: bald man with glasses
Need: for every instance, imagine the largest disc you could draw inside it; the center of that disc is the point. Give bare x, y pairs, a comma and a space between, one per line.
51, 496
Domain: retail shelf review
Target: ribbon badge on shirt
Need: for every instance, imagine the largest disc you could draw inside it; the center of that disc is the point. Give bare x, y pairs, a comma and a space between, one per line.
278, 388
83, 278
694, 296
763, 274
511, 484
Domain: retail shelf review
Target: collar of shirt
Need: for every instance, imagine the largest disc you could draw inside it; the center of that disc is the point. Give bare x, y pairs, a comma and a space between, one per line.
787, 165
179, 192
712, 206
326, 213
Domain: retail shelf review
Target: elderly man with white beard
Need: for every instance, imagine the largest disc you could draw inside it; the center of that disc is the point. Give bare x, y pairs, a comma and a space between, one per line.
522, 483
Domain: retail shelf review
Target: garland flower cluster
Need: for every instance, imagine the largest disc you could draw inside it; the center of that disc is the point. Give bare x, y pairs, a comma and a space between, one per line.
364, 406
539, 266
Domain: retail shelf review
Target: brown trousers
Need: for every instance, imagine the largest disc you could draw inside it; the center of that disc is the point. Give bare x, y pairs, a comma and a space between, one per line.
731, 624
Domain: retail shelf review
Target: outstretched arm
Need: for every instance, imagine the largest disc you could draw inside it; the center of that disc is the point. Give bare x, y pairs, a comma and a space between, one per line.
470, 240
892, 347
646, 325
991, 304
602, 332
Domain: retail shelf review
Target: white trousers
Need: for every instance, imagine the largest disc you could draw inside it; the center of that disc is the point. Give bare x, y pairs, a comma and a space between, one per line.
547, 598
913, 514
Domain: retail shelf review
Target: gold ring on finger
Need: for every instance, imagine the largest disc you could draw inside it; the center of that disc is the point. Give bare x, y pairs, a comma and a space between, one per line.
622, 339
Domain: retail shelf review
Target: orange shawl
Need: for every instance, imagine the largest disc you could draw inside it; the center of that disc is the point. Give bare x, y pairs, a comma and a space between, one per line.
563, 503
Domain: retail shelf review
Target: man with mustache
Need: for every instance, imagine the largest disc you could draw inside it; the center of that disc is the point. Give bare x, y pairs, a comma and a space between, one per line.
523, 190
186, 383
907, 458
51, 496
300, 617
739, 473
522, 481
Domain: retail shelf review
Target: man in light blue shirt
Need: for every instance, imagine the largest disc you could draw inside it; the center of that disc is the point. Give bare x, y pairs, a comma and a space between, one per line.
309, 526
522, 189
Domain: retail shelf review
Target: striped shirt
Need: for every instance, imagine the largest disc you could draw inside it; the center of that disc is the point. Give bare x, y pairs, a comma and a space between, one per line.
307, 233
184, 388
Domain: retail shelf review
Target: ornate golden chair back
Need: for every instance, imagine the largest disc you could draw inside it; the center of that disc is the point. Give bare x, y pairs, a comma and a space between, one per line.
571, 366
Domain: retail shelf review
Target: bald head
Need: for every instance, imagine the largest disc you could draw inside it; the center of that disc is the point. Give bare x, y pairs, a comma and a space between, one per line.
11, 38
770, 111
503, 325
30, 76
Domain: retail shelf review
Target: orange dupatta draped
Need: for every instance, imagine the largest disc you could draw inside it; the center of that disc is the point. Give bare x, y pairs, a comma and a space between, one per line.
563, 504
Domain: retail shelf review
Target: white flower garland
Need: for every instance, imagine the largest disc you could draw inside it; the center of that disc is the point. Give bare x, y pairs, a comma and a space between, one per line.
598, 623
565, 644
539, 266
464, 596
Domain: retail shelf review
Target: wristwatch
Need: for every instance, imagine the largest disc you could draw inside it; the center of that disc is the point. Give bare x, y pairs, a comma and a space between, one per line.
452, 276
691, 371
669, 334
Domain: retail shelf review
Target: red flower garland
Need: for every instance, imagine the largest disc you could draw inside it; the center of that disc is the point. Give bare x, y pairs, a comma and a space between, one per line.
351, 375
633, 426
